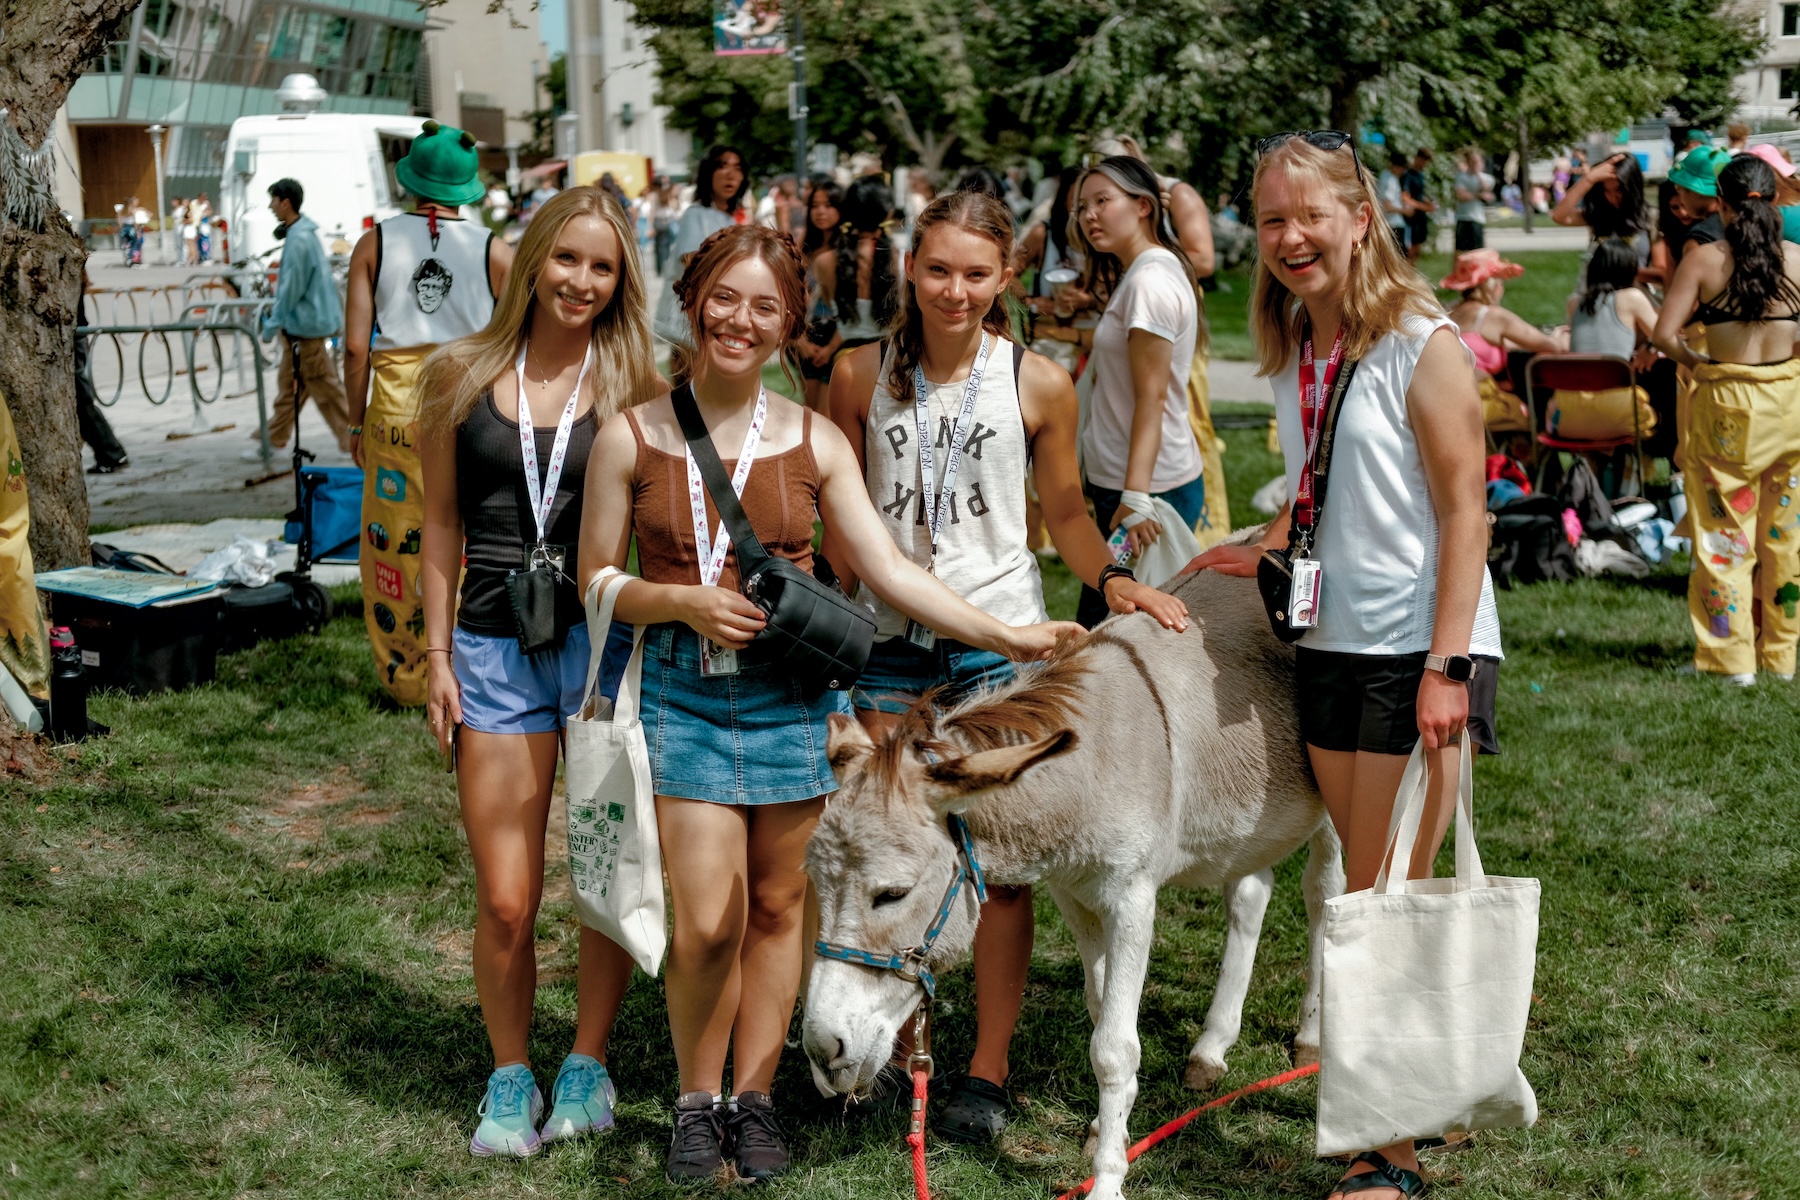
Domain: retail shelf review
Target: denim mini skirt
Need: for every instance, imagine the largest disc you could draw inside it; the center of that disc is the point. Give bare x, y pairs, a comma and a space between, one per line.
748, 738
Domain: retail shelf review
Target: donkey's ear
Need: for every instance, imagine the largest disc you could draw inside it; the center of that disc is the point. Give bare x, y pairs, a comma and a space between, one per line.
954, 784
846, 742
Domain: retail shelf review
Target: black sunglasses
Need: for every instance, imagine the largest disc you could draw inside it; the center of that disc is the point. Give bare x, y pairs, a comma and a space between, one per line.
1324, 139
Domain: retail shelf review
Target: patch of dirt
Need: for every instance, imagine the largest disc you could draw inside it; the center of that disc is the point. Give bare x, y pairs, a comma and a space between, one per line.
306, 811
26, 756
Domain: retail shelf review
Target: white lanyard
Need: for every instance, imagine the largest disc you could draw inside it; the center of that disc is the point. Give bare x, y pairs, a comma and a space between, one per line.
934, 503
711, 550
543, 496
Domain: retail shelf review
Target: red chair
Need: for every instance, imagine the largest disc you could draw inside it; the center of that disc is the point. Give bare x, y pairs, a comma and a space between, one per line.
1582, 373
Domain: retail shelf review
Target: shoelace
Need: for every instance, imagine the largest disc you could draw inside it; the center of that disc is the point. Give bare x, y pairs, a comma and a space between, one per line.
698, 1132
577, 1082
756, 1129
505, 1097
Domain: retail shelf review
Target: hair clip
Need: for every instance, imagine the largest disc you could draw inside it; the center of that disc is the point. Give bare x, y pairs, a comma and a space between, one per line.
1753, 195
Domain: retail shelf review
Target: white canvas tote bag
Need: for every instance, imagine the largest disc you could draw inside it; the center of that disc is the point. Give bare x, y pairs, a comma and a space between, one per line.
1164, 558
615, 860
1427, 987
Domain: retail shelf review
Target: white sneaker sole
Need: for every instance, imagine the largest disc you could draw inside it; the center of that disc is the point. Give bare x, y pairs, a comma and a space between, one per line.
568, 1130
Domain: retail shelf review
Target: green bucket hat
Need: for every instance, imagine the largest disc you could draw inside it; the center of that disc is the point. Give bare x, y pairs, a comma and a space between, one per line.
441, 166
1699, 170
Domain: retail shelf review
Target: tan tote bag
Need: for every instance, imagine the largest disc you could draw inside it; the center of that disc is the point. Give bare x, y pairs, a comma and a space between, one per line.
615, 860
1427, 988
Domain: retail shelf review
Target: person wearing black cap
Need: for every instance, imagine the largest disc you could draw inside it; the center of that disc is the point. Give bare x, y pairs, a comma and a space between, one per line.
416, 280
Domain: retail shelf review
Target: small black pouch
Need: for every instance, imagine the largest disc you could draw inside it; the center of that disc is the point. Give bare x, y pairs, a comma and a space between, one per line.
533, 597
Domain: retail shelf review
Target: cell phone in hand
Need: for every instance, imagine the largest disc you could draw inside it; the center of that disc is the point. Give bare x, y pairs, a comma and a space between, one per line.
448, 750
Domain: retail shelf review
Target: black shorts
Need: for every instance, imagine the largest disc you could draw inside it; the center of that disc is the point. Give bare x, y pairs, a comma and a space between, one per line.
1370, 702
1418, 229
1470, 235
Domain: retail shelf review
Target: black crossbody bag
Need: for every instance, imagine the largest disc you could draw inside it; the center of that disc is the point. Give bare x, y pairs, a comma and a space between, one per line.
1275, 570
816, 631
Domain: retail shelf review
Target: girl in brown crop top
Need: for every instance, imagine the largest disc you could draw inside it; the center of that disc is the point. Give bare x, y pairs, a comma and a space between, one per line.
738, 759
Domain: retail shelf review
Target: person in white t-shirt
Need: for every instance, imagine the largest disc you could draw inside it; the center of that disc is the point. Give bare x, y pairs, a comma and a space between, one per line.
1407, 639
1137, 443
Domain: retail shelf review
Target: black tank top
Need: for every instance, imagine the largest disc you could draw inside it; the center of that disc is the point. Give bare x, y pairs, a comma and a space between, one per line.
496, 514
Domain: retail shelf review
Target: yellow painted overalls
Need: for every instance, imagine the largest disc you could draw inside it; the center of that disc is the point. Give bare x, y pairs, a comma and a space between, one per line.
24, 647
1215, 507
431, 286
1741, 462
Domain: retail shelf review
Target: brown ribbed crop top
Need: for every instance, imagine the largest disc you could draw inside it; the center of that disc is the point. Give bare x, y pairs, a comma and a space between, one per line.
781, 498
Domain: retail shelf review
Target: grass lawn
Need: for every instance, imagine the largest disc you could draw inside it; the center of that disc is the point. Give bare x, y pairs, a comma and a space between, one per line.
1538, 295
237, 938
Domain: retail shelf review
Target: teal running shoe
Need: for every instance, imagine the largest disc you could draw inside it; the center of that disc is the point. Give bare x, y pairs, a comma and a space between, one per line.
581, 1100
509, 1114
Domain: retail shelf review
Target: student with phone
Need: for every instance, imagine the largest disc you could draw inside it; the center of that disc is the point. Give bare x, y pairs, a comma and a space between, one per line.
509, 419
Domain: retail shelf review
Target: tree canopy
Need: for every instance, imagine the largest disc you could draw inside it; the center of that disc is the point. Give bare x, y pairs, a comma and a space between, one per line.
944, 82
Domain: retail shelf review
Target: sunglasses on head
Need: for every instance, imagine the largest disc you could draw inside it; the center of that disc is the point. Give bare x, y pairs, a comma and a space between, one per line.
1324, 139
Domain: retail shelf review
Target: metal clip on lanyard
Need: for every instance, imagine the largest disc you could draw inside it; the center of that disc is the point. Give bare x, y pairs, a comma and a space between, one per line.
936, 503
543, 495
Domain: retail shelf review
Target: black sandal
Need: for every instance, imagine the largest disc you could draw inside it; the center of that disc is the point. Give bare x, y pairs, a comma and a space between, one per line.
1385, 1175
974, 1113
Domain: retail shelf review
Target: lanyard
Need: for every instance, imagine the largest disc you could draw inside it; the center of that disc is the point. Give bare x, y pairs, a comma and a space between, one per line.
1312, 418
959, 437
711, 550
542, 497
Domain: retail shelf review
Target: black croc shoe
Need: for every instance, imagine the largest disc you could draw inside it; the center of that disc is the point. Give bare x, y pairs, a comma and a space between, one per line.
697, 1146
1385, 1175
756, 1142
974, 1113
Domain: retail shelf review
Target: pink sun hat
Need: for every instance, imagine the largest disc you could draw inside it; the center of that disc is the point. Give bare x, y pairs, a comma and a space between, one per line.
1772, 156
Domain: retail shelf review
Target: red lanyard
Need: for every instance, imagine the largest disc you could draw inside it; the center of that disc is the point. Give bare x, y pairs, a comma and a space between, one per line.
1312, 417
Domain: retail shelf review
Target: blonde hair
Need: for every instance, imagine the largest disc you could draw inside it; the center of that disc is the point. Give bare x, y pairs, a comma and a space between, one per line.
624, 373
1384, 289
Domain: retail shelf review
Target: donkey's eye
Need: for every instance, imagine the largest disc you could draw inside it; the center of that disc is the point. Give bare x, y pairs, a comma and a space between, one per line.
890, 896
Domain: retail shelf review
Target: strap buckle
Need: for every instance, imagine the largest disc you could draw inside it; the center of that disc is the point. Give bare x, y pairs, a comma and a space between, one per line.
912, 964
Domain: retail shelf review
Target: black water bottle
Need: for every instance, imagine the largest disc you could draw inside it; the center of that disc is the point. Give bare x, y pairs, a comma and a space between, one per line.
68, 688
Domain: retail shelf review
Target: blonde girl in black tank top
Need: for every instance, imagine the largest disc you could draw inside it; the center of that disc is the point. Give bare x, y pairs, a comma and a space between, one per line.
732, 754
569, 332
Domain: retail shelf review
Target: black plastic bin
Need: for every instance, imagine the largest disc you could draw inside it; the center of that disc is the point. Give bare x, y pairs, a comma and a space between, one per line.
144, 650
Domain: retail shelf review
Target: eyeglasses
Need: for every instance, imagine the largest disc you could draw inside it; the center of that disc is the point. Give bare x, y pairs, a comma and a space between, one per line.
724, 305
1095, 205
1324, 139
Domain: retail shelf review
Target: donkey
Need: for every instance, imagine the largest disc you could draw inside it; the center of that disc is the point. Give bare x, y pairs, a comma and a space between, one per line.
1135, 758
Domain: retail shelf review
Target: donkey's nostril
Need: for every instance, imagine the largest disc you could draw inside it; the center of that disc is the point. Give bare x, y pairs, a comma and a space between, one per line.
837, 1049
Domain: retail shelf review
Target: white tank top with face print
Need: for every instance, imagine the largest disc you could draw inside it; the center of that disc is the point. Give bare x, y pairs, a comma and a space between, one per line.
982, 555
429, 292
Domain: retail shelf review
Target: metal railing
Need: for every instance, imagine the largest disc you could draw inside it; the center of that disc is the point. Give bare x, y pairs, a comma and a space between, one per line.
189, 332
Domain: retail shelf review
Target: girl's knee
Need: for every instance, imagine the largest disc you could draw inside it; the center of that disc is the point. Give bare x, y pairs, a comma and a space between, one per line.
777, 907
512, 918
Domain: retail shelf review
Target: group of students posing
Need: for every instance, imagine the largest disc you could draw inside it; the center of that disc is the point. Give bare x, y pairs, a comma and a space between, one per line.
564, 375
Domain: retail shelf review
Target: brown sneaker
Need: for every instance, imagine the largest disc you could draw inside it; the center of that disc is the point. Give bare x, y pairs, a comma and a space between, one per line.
697, 1146
756, 1143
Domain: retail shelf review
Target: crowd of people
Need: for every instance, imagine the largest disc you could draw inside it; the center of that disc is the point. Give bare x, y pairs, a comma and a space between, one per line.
1076, 422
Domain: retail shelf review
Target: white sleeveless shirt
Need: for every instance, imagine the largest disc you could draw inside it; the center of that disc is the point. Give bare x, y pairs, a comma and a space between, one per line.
428, 294
1378, 538
982, 555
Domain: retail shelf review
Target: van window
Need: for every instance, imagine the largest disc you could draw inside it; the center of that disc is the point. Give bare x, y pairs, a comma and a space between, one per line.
393, 148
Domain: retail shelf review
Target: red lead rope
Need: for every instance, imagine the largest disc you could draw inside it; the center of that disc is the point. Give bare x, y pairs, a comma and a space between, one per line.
915, 1134
1132, 1154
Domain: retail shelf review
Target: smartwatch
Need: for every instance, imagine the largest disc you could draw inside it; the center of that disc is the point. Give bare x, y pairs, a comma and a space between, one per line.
1458, 668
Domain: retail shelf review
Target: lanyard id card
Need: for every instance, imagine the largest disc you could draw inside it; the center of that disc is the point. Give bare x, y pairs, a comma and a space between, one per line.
1308, 575
937, 502
710, 549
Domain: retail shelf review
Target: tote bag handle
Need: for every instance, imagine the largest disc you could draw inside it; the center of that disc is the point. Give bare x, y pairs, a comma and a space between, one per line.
602, 594
1409, 816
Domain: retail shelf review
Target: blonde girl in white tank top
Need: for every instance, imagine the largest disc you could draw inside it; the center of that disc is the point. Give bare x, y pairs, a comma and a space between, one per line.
1022, 416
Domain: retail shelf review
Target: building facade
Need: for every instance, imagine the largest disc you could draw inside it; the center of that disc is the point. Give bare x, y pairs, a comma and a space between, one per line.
612, 88
1770, 89
195, 66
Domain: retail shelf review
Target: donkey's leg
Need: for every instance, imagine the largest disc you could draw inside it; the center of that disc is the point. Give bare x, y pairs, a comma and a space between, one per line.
1324, 878
1090, 943
1130, 927
1246, 900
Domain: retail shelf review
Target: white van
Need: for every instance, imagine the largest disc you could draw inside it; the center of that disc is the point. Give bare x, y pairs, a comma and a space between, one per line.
344, 161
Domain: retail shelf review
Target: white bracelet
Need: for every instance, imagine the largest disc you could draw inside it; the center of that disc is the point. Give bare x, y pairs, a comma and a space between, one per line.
1137, 505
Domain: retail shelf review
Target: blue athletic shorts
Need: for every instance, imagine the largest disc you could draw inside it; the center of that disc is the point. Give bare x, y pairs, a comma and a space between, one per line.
899, 673
506, 691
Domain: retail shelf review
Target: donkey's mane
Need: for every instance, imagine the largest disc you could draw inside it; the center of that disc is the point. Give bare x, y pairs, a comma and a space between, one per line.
1032, 705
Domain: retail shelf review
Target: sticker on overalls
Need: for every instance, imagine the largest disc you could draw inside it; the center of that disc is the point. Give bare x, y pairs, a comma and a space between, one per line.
1788, 597
1718, 613
1744, 499
1727, 550
1728, 436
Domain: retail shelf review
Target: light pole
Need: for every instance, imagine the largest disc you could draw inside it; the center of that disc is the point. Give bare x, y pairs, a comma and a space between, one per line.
162, 205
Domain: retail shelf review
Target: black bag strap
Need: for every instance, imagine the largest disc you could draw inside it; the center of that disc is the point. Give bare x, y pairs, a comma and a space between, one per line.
1322, 460
750, 551
1018, 357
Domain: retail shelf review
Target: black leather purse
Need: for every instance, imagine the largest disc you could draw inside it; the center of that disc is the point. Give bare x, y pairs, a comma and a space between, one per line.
1275, 570
817, 632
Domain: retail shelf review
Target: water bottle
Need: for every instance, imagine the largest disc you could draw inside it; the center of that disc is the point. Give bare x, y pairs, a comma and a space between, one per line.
68, 688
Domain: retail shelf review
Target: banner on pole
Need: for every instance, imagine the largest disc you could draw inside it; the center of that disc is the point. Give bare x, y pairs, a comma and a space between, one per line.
748, 27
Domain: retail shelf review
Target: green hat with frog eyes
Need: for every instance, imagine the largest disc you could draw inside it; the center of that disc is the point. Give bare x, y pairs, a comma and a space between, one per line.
442, 166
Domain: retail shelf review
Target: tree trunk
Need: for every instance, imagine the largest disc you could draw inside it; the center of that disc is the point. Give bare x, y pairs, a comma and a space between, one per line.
1525, 173
1345, 100
45, 44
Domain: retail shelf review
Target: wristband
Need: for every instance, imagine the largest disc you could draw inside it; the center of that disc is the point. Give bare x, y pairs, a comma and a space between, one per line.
437, 650
353, 430
1138, 504
1110, 571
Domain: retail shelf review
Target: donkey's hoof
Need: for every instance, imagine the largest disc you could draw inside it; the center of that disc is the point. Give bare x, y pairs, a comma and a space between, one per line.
1305, 1056
1200, 1074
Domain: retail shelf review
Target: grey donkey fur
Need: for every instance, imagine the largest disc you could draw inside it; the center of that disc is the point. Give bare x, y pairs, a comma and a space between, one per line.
1140, 757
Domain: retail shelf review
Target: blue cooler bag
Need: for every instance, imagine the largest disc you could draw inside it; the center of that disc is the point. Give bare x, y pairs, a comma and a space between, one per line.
331, 503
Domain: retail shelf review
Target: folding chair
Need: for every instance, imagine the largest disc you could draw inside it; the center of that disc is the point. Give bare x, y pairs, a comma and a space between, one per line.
1582, 373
